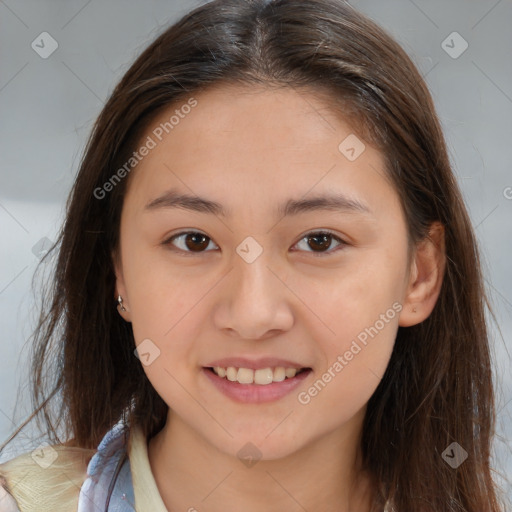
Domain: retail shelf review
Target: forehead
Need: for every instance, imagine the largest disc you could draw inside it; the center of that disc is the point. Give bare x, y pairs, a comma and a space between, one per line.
254, 142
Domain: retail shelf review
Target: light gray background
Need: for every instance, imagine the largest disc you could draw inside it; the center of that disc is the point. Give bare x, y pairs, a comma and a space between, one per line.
48, 106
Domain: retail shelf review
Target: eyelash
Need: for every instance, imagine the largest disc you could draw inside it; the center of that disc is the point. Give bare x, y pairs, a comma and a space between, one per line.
342, 243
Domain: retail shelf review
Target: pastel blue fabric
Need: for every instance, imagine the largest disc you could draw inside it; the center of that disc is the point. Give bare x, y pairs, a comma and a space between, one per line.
108, 486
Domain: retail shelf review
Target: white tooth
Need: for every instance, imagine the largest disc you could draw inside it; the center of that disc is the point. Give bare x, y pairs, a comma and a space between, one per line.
231, 373
290, 372
279, 374
263, 376
245, 376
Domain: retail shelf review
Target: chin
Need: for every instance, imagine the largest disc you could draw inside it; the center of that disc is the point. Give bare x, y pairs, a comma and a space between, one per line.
259, 446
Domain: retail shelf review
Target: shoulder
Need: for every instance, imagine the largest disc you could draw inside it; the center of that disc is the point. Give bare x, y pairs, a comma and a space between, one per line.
46, 479
7, 502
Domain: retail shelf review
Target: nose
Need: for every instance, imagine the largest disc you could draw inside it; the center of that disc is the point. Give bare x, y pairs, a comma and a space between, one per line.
254, 303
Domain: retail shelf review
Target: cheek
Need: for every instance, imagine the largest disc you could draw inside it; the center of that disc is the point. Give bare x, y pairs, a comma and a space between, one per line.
160, 292
360, 311
367, 290
355, 364
164, 309
164, 300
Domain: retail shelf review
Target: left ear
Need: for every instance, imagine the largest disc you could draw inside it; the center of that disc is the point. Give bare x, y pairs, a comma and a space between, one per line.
426, 277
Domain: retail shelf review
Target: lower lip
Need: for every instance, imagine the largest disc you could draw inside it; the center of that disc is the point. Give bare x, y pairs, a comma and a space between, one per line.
255, 393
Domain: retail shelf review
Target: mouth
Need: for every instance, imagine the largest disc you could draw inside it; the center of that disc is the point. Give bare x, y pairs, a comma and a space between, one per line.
245, 385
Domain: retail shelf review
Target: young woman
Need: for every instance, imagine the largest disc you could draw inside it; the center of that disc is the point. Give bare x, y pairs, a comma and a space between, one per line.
268, 294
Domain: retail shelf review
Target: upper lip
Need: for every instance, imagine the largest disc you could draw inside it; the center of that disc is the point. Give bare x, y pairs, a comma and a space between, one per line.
254, 364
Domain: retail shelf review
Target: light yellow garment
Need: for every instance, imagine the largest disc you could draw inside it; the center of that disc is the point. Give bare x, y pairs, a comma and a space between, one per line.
56, 488
147, 497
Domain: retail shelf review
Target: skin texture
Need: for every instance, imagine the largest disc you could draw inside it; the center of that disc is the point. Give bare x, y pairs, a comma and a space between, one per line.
251, 149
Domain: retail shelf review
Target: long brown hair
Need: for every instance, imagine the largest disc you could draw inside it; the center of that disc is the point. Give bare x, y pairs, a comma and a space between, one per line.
438, 386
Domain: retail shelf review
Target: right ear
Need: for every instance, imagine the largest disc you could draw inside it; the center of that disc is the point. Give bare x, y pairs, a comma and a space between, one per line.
120, 287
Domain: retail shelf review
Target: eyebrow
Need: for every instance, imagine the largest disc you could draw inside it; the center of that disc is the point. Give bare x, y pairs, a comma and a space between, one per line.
328, 202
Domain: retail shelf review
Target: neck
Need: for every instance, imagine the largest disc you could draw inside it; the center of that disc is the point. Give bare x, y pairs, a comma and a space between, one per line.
192, 474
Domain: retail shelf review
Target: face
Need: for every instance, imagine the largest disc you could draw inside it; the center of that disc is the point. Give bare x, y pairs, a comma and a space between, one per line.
296, 258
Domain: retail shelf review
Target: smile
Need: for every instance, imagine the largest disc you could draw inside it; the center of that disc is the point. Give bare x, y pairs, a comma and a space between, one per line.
245, 385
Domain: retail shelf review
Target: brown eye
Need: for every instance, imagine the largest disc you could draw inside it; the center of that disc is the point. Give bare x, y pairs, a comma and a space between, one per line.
320, 242
189, 241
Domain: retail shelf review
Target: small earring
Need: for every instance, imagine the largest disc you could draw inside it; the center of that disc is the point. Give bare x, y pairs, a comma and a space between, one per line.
414, 310
120, 301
